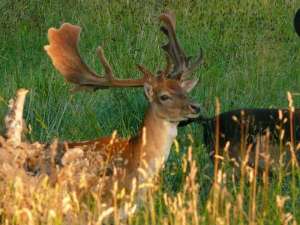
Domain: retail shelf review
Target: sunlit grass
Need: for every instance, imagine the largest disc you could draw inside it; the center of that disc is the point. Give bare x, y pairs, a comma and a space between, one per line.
74, 193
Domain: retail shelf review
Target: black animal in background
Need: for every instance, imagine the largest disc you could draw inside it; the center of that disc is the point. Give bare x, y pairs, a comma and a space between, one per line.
242, 130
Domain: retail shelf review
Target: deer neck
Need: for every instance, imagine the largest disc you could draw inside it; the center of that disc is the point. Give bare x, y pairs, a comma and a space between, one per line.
155, 139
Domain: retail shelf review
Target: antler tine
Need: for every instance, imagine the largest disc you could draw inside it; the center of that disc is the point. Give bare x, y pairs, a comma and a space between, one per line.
116, 82
182, 65
168, 67
64, 53
193, 66
105, 63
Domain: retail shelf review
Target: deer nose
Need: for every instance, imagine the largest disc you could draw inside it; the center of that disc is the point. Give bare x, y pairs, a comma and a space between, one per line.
195, 108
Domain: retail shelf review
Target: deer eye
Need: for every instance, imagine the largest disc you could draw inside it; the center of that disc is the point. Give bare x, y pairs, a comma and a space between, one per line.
165, 97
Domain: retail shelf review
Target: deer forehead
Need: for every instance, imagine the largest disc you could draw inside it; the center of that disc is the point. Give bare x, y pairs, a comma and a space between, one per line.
171, 86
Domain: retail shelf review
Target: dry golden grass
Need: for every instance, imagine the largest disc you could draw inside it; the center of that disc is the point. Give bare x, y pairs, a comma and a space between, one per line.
41, 184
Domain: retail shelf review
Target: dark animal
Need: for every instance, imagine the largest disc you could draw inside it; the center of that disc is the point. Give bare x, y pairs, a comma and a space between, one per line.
275, 132
297, 22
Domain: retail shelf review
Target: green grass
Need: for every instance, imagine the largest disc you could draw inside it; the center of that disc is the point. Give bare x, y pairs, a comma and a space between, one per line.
251, 54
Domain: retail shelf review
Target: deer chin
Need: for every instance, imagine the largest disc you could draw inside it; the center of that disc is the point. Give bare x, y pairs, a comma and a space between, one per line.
184, 118
192, 116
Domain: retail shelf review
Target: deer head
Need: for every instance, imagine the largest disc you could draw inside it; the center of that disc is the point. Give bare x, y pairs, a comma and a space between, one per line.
169, 96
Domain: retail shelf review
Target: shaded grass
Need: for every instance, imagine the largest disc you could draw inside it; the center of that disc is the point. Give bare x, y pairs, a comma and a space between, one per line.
251, 60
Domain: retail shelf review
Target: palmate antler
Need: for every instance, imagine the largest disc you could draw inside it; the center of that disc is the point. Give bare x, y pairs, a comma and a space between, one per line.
182, 65
63, 51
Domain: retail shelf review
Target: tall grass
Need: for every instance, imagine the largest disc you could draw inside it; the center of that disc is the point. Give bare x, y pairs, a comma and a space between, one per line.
74, 193
251, 60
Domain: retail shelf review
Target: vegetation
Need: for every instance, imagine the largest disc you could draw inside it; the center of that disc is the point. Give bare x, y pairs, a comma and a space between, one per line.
251, 60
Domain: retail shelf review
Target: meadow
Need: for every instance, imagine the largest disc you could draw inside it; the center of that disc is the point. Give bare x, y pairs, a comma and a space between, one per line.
252, 59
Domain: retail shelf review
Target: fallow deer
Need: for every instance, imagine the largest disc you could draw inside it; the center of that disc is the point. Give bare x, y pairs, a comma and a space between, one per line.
239, 129
166, 92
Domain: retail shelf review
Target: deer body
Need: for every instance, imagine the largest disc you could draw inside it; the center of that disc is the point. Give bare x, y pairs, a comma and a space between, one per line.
151, 145
142, 156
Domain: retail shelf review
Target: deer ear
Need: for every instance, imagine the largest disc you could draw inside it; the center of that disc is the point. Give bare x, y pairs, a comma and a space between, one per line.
188, 85
148, 89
